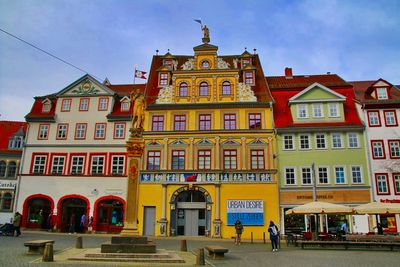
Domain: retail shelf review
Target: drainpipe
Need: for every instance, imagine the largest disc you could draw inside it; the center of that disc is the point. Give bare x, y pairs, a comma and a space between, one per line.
22, 163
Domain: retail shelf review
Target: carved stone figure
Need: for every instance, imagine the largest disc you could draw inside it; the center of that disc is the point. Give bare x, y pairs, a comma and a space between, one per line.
221, 64
138, 110
188, 65
235, 63
165, 95
245, 94
175, 64
206, 32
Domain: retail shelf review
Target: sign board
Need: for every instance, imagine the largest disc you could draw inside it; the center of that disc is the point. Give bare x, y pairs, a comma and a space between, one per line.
8, 185
249, 212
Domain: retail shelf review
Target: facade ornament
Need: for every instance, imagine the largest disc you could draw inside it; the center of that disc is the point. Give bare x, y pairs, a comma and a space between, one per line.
175, 64
206, 34
235, 63
221, 64
137, 99
245, 94
188, 65
165, 95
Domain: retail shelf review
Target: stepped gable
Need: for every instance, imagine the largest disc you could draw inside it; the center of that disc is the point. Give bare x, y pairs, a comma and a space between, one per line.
7, 130
283, 89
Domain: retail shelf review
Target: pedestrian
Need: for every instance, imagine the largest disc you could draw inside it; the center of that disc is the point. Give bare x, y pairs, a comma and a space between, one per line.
343, 230
90, 224
273, 235
72, 224
83, 223
239, 231
17, 223
380, 229
49, 222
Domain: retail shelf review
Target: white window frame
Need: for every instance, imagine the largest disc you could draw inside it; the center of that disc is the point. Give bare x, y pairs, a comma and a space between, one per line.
292, 140
373, 118
379, 92
318, 108
333, 110
40, 165
77, 166
349, 143
327, 175
118, 132
309, 142
57, 165
125, 105
316, 141
118, 166
361, 174
80, 131
103, 104
302, 175
44, 131
294, 173
100, 131
341, 140
302, 108
344, 174
393, 118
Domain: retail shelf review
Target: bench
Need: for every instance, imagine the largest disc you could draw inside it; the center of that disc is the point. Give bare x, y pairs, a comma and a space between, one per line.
216, 252
37, 246
348, 244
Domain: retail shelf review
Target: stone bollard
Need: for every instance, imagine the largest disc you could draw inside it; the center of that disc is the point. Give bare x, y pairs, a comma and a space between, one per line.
48, 252
78, 243
251, 237
264, 237
183, 245
200, 257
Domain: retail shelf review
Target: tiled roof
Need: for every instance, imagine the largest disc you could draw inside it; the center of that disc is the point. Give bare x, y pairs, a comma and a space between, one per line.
302, 81
36, 111
123, 90
362, 90
7, 130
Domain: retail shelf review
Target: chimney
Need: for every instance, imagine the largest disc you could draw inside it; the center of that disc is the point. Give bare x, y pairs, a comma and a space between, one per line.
288, 73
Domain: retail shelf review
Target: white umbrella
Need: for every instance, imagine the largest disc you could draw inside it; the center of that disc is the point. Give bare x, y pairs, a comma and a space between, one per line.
320, 207
378, 208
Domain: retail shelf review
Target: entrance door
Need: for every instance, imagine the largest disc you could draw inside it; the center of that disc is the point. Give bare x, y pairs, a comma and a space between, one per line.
149, 221
192, 222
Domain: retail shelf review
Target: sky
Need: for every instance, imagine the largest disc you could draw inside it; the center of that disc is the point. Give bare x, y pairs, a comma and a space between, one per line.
358, 40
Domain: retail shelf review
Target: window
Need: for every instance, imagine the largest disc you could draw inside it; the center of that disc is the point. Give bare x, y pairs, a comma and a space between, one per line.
80, 131
180, 122
204, 122
77, 164
226, 88
337, 140
43, 131
230, 159
302, 112
317, 110
183, 89
396, 183
257, 159
15, 142
290, 176
100, 131
66, 105
103, 104
382, 93
204, 159
394, 146
304, 141
153, 160
229, 121
245, 62
249, 77
390, 118
255, 121
323, 177
378, 150
353, 140
320, 141
6, 201
178, 160
46, 107
39, 164
203, 89
2, 168
97, 164
12, 169
119, 130
62, 131
57, 165
125, 105
333, 110
163, 79
340, 177
157, 123
84, 104
356, 174
288, 143
374, 119
205, 64
382, 184
117, 165
306, 176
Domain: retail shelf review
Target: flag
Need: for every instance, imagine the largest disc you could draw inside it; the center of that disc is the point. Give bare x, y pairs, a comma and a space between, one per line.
198, 20
140, 74
190, 178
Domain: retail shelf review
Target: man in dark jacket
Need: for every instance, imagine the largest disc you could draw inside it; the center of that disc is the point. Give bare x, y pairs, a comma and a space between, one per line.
17, 223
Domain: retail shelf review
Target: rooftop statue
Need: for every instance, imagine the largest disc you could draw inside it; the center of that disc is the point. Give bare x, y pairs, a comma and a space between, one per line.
137, 99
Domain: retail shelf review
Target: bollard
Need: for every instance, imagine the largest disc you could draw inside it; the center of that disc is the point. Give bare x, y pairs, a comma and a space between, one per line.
200, 257
251, 237
78, 243
264, 237
183, 245
48, 253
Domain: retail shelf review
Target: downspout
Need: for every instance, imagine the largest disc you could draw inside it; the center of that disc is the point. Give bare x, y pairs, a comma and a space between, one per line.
19, 176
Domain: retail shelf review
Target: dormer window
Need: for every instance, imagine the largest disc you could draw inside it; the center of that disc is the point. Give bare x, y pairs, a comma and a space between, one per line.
46, 107
205, 64
249, 77
168, 63
382, 93
15, 142
163, 79
245, 62
125, 105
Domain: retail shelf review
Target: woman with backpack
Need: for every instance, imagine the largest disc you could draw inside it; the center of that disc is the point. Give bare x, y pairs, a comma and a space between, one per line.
273, 235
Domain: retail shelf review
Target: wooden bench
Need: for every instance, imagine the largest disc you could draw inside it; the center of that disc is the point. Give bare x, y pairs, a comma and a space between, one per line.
37, 246
348, 244
216, 252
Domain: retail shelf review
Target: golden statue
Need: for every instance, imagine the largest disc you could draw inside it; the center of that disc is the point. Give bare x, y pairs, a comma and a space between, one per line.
206, 32
137, 99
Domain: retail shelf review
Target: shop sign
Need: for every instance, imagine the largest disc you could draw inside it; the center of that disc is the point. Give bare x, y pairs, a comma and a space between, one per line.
249, 212
8, 185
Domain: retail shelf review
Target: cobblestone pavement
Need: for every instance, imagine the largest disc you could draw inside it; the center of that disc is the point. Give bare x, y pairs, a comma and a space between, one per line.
13, 252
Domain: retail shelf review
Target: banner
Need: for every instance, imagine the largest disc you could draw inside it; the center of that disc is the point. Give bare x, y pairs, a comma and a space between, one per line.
249, 212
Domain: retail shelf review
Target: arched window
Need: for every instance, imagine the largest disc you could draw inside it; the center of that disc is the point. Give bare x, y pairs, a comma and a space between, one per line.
12, 169
6, 201
226, 88
205, 64
2, 168
203, 89
183, 89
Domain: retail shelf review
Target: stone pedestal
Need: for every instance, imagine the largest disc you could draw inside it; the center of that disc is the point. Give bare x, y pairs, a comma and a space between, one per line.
125, 244
163, 226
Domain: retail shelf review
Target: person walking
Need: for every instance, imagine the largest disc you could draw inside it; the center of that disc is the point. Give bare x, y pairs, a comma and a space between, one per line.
273, 235
17, 223
72, 224
379, 228
239, 231
83, 223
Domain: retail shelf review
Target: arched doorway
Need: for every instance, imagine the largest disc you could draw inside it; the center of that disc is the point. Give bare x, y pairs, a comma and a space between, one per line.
190, 212
37, 209
109, 214
71, 210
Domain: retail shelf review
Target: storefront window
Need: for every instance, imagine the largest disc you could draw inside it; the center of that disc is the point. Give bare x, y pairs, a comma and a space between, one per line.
294, 224
388, 223
6, 201
111, 212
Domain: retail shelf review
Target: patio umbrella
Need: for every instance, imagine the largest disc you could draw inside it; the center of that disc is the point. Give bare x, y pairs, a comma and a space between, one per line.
320, 207
378, 208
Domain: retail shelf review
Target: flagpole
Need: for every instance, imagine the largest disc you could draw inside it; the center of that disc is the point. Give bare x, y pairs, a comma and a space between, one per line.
134, 75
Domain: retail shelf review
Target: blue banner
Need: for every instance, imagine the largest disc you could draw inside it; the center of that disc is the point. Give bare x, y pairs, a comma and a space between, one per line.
246, 218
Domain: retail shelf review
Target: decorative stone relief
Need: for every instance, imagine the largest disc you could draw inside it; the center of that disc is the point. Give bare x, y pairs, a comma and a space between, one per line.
245, 94
165, 95
221, 64
188, 65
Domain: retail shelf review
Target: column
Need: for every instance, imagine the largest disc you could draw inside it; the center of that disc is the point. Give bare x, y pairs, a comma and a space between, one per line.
191, 153
217, 153
270, 153
217, 221
163, 221
165, 155
243, 156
